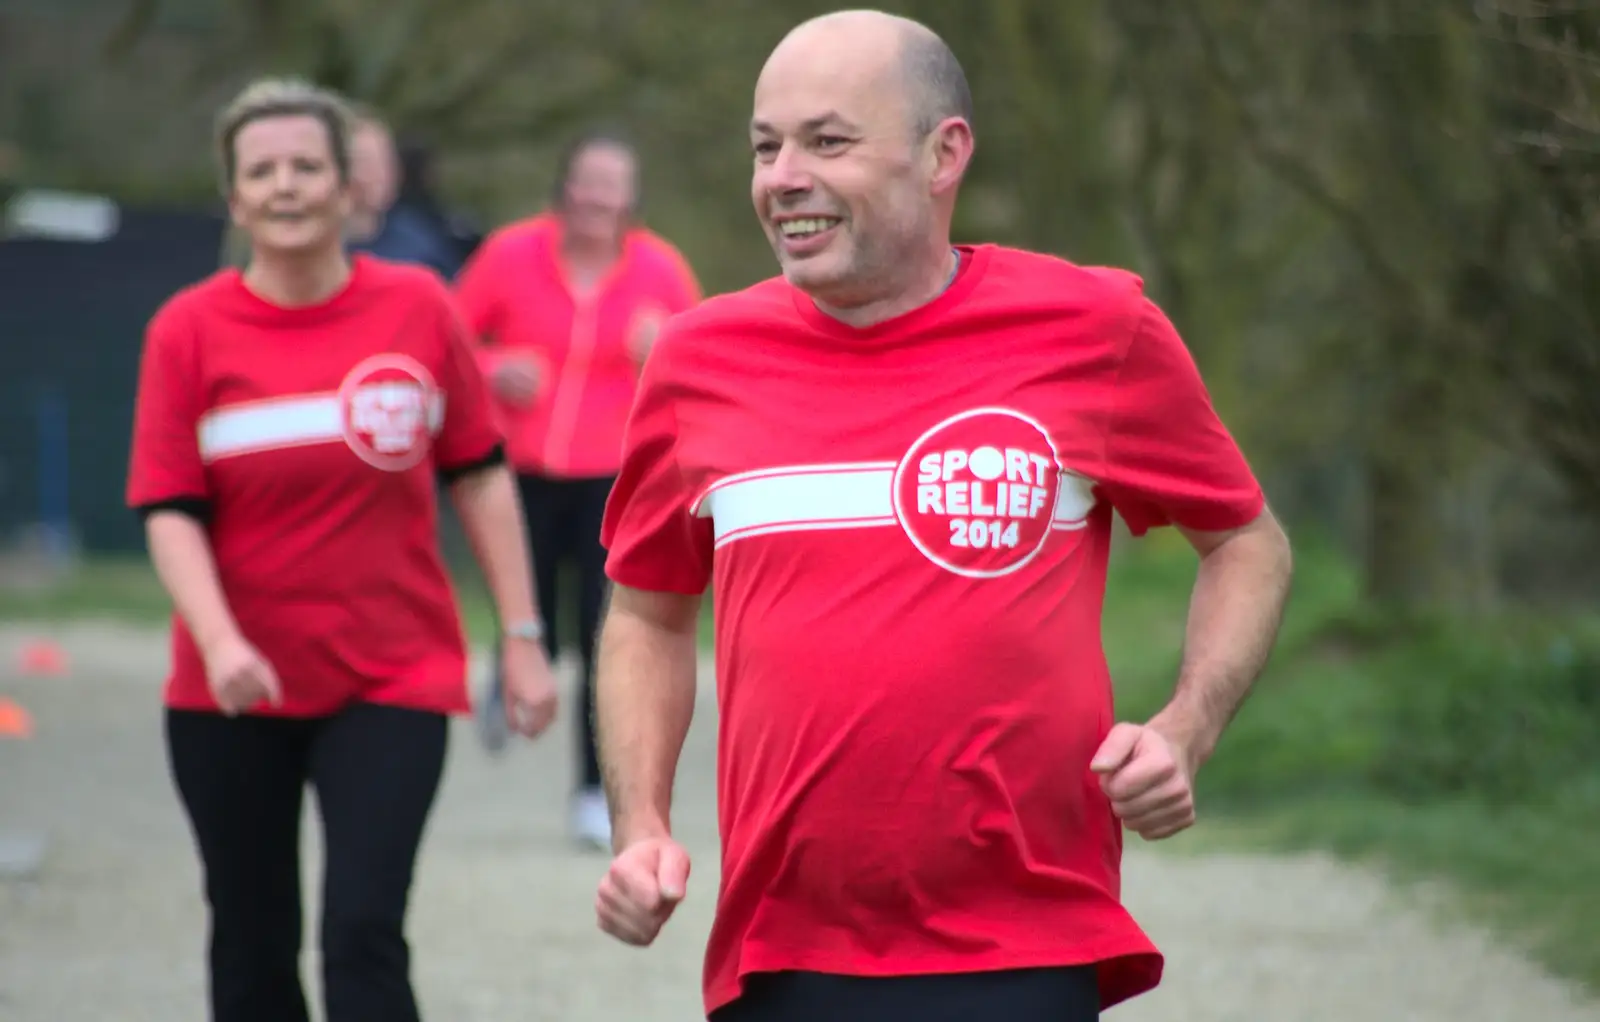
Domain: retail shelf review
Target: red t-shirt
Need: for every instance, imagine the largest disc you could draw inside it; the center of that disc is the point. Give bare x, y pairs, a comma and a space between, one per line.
906, 528
516, 297
313, 435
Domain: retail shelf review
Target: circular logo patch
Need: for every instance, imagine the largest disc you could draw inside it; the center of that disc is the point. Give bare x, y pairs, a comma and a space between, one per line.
977, 493
391, 410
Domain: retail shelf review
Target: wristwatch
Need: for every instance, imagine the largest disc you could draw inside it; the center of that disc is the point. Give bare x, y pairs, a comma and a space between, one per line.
527, 631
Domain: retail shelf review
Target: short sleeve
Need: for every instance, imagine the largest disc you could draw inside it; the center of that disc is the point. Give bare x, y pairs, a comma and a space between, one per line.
1169, 458
653, 539
470, 433
164, 464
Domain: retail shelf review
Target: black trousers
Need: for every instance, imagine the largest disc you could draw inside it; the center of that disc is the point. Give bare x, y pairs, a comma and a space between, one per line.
1067, 994
375, 771
564, 518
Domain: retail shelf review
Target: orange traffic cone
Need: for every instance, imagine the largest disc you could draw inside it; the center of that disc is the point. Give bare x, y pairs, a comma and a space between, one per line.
42, 658
14, 721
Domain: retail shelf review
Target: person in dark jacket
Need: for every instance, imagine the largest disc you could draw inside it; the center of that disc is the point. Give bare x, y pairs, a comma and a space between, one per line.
398, 216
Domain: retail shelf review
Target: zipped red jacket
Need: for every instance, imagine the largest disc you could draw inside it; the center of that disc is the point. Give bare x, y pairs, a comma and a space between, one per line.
517, 299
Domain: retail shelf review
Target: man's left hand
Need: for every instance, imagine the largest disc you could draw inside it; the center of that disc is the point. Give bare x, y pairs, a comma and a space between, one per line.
1149, 778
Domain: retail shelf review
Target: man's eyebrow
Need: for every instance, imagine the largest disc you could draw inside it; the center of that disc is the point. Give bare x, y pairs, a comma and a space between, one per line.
814, 124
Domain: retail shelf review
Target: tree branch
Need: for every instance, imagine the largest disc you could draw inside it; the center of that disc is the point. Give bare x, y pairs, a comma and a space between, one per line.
381, 64
1288, 168
131, 30
468, 87
520, 127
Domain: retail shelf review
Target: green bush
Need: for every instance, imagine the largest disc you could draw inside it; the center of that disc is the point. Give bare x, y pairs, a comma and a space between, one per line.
1359, 699
1304, 732
1506, 721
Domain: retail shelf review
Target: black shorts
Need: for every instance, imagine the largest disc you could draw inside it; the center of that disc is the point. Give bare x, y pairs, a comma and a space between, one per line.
1067, 994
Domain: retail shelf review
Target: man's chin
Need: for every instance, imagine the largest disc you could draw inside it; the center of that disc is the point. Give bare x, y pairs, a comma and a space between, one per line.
813, 274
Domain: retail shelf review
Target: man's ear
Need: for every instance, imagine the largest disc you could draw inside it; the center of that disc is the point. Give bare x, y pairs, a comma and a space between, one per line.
950, 148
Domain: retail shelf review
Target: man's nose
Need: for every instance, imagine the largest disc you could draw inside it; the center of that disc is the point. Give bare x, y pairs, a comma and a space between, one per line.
789, 173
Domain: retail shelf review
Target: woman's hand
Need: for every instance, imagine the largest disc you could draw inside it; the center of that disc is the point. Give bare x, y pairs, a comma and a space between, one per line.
240, 676
516, 380
530, 686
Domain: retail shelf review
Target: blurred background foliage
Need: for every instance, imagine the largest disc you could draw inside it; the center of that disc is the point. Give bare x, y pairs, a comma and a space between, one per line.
1375, 222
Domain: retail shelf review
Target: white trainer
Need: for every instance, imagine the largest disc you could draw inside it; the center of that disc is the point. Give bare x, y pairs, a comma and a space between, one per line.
591, 819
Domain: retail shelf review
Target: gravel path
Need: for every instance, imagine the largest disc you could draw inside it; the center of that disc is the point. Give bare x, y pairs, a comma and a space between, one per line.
111, 924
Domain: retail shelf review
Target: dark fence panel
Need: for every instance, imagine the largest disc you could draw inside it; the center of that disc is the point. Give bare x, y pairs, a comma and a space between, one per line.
72, 319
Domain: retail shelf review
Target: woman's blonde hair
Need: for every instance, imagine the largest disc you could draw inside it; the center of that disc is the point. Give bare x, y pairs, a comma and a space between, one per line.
284, 97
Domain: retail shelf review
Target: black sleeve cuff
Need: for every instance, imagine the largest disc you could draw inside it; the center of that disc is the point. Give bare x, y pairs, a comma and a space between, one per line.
455, 473
197, 508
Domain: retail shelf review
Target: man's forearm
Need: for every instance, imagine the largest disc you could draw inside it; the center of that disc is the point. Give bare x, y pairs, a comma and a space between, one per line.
1234, 615
644, 702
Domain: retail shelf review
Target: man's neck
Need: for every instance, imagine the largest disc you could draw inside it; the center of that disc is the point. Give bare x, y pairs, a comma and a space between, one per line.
928, 285
297, 280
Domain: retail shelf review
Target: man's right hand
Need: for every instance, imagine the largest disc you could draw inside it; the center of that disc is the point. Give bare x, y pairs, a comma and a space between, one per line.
240, 676
516, 380
644, 885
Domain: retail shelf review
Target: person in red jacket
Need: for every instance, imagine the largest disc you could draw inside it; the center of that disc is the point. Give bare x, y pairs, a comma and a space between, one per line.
567, 305
291, 423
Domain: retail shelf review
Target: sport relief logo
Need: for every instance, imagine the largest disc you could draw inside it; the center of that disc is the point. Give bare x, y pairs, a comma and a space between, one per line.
390, 411
977, 493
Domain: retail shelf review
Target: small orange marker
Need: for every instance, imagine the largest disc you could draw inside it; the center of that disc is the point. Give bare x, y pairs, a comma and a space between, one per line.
42, 658
14, 721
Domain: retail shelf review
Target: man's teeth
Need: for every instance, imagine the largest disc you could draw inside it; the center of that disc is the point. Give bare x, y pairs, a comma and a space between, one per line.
801, 228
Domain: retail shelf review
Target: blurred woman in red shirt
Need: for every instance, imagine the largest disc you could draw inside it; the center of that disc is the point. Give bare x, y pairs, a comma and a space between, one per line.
291, 423
566, 305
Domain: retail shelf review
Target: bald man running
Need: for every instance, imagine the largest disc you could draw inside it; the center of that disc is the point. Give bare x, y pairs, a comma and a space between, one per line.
898, 465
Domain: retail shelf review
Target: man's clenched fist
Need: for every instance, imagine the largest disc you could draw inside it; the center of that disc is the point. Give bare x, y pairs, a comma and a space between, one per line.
1148, 778
646, 881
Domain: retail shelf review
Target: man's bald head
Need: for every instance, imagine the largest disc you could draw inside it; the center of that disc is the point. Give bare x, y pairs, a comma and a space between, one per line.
861, 134
935, 83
